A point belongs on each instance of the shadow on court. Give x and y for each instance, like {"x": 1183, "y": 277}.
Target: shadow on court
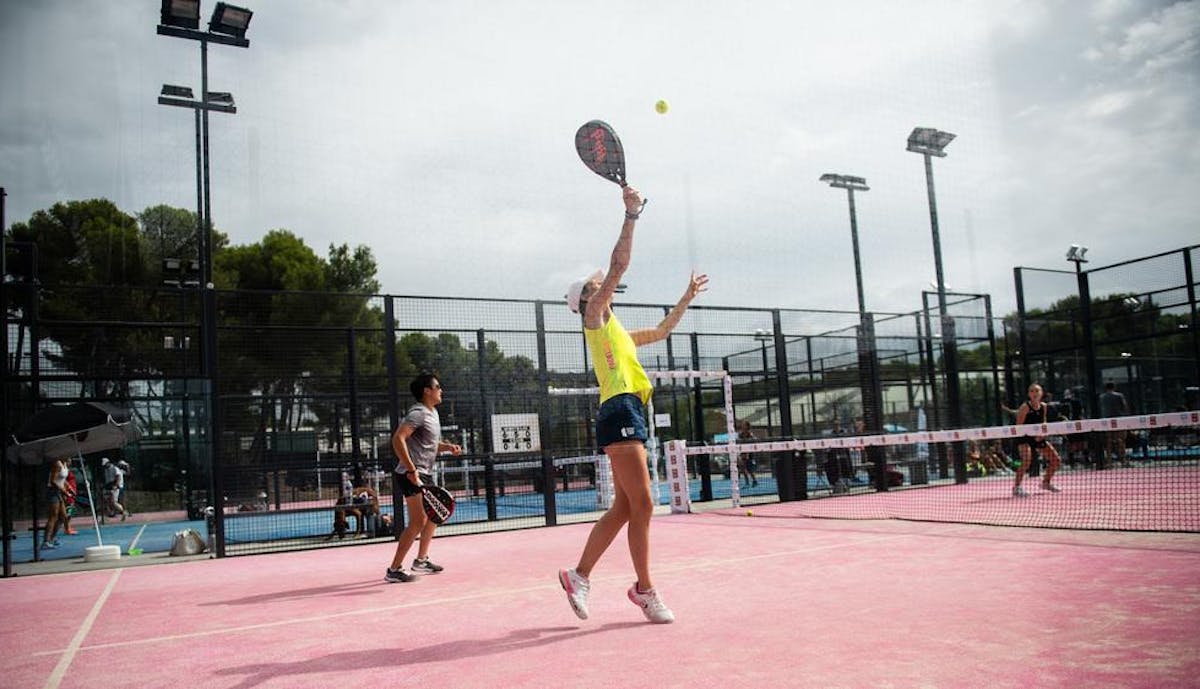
{"x": 404, "y": 654}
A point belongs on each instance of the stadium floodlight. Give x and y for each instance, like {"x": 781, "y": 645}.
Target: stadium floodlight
{"x": 1076, "y": 254}
{"x": 845, "y": 182}
{"x": 181, "y": 13}
{"x": 220, "y": 98}
{"x": 177, "y": 91}
{"x": 230, "y": 20}
{"x": 929, "y": 141}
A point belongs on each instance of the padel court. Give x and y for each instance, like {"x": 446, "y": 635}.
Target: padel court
{"x": 776, "y": 599}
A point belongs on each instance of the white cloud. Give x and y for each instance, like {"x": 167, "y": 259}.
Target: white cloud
{"x": 440, "y": 132}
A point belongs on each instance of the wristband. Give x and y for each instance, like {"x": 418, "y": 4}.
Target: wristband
{"x": 632, "y": 216}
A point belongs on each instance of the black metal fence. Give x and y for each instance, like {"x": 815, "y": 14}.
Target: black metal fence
{"x": 1133, "y": 323}
{"x": 308, "y": 387}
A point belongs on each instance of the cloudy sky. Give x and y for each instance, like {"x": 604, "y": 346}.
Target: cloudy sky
{"x": 440, "y": 135}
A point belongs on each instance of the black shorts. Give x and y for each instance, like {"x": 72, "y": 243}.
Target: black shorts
{"x": 407, "y": 487}
{"x": 1034, "y": 443}
{"x": 621, "y": 418}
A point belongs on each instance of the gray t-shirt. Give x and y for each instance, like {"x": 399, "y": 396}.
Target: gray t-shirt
{"x": 423, "y": 441}
{"x": 1112, "y": 404}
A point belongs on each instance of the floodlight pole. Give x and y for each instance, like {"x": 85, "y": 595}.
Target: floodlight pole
{"x": 5, "y": 522}
{"x": 871, "y": 387}
{"x": 929, "y": 143}
{"x": 1085, "y": 317}
{"x": 208, "y": 318}
{"x": 858, "y": 279}
{"x": 949, "y": 341}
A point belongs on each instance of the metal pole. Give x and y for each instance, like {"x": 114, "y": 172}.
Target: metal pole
{"x": 862, "y": 308}
{"x": 766, "y": 382}
{"x": 206, "y": 259}
{"x": 393, "y": 392}
{"x": 1022, "y": 332}
{"x": 200, "y": 243}
{"x": 5, "y": 522}
{"x": 781, "y": 377}
{"x": 1195, "y": 317}
{"x": 949, "y": 340}
{"x": 549, "y": 496}
{"x": 991, "y": 334}
{"x": 1085, "y": 315}
{"x": 352, "y": 383}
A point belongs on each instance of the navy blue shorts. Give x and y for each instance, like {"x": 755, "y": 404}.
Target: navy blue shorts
{"x": 621, "y": 418}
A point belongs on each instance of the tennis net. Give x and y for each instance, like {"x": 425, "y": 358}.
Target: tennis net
{"x": 1137, "y": 473}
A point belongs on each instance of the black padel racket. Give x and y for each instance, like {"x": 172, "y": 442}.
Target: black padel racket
{"x": 439, "y": 503}
{"x": 600, "y": 149}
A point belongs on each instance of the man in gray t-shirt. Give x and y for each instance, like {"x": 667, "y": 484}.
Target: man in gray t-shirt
{"x": 417, "y": 443}
{"x": 422, "y": 443}
{"x": 1113, "y": 404}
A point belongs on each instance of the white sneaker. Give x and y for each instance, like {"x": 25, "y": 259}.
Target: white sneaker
{"x": 652, "y": 606}
{"x": 576, "y": 586}
{"x": 1019, "y": 492}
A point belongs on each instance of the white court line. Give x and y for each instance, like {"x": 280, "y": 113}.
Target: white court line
{"x": 458, "y": 599}
{"x": 133, "y": 543}
{"x": 68, "y": 654}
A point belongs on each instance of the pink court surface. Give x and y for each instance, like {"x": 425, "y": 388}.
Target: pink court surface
{"x": 773, "y": 600}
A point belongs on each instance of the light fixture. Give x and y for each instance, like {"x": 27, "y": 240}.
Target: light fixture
{"x": 177, "y": 91}
{"x": 182, "y": 13}
{"x": 230, "y": 20}
{"x": 220, "y": 97}
{"x": 845, "y": 181}
{"x": 929, "y": 141}
{"x": 1077, "y": 253}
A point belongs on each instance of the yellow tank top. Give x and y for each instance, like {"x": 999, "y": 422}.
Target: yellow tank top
{"x": 614, "y": 358}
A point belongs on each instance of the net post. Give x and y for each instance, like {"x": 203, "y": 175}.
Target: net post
{"x": 677, "y": 475}
{"x": 735, "y": 488}
{"x": 604, "y": 482}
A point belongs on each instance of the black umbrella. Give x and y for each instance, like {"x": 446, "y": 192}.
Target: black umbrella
{"x": 68, "y": 431}
{"x": 73, "y": 429}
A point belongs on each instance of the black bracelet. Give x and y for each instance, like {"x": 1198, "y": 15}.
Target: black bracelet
{"x": 632, "y": 216}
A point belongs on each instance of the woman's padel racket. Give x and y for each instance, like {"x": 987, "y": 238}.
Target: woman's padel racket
{"x": 438, "y": 502}
{"x": 600, "y": 149}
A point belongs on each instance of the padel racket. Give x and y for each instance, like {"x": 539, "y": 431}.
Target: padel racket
{"x": 438, "y": 502}
{"x": 600, "y": 149}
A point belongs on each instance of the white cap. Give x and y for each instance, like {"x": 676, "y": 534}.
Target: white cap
{"x": 576, "y": 289}
{"x": 103, "y": 461}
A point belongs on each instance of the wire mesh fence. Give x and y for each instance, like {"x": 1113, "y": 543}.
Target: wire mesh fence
{"x": 302, "y": 389}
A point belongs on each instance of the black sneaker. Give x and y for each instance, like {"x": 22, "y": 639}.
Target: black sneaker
{"x": 426, "y": 566}
{"x": 396, "y": 576}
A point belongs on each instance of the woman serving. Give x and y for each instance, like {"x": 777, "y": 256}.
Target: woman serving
{"x": 621, "y": 424}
